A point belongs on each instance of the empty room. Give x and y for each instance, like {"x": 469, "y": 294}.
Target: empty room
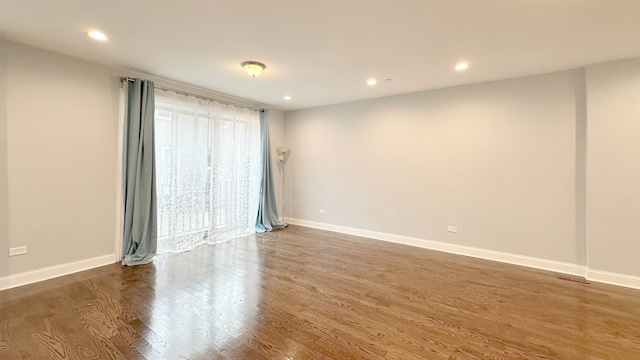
{"x": 360, "y": 179}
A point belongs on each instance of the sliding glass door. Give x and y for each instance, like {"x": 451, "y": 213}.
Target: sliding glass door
{"x": 208, "y": 171}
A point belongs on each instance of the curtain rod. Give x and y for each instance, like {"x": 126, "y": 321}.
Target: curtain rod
{"x": 200, "y": 97}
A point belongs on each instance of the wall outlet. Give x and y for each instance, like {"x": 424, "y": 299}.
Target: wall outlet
{"x": 321, "y": 211}
{"x": 453, "y": 229}
{"x": 20, "y": 250}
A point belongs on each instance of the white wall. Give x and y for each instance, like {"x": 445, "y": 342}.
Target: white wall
{"x": 497, "y": 160}
{"x": 613, "y": 180}
{"x": 61, "y": 119}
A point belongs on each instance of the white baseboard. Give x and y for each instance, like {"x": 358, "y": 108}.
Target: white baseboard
{"x": 606, "y": 277}
{"x": 51, "y": 272}
{"x": 543, "y": 264}
{"x": 630, "y": 281}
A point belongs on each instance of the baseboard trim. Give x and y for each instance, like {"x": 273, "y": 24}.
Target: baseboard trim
{"x": 51, "y": 272}
{"x": 614, "y": 278}
{"x": 522, "y": 260}
{"x": 606, "y": 277}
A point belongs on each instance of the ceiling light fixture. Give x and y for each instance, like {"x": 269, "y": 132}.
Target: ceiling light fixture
{"x": 371, "y": 82}
{"x": 97, "y": 35}
{"x": 288, "y": 98}
{"x": 462, "y": 66}
{"x": 253, "y": 68}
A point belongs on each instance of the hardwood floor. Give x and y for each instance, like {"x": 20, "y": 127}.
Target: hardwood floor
{"x": 300, "y": 293}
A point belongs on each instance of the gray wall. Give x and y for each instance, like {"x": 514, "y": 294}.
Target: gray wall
{"x": 545, "y": 166}
{"x": 497, "y": 160}
{"x": 60, "y": 160}
{"x": 277, "y": 131}
{"x": 613, "y": 180}
{"x": 4, "y": 177}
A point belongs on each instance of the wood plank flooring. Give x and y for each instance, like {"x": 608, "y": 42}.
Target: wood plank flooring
{"x": 300, "y": 293}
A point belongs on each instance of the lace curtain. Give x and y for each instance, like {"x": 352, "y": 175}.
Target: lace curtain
{"x": 208, "y": 171}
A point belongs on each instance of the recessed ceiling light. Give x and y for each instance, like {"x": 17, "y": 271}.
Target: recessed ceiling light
{"x": 462, "y": 66}
{"x": 371, "y": 82}
{"x": 97, "y": 35}
{"x": 287, "y": 97}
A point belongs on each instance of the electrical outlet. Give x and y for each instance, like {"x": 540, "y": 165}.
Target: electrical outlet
{"x": 20, "y": 250}
{"x": 321, "y": 211}
{"x": 453, "y": 229}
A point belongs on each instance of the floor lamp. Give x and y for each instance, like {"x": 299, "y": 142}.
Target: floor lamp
{"x": 283, "y": 156}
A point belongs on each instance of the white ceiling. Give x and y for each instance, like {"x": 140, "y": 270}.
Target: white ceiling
{"x": 322, "y": 52}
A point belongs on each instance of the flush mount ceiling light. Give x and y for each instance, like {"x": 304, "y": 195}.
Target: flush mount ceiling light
{"x": 288, "y": 98}
{"x": 253, "y": 68}
{"x": 462, "y": 66}
{"x": 371, "y": 82}
{"x": 97, "y": 35}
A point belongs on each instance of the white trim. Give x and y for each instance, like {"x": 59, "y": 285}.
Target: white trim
{"x": 522, "y": 260}
{"x": 614, "y": 278}
{"x": 606, "y": 277}
{"x": 47, "y": 273}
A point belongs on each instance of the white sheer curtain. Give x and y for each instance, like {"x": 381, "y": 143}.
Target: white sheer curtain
{"x": 208, "y": 171}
